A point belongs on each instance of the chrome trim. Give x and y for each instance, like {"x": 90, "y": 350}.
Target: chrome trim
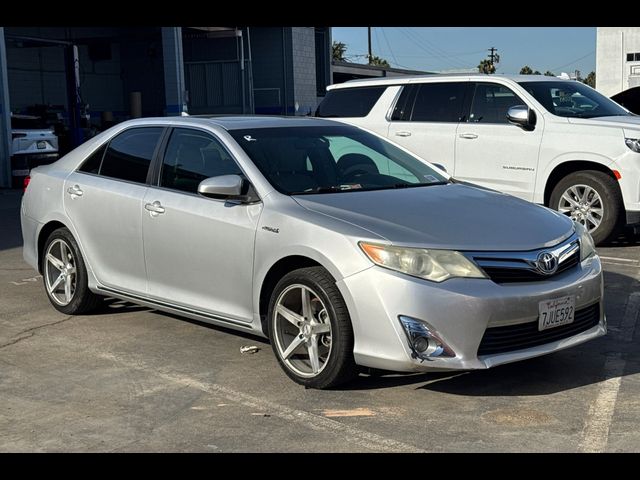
{"x": 525, "y": 260}
{"x": 392, "y": 107}
{"x": 188, "y": 312}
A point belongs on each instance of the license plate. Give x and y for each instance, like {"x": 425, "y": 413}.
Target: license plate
{"x": 556, "y": 312}
{"x": 41, "y": 145}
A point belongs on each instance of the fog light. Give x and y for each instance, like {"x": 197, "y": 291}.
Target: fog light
{"x": 424, "y": 343}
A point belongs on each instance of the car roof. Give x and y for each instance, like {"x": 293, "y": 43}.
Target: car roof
{"x": 240, "y": 122}
{"x": 365, "y": 82}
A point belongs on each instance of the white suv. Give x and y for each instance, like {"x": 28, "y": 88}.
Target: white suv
{"x": 554, "y": 142}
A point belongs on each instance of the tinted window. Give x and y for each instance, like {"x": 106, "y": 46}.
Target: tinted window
{"x": 349, "y": 102}
{"x": 402, "y": 110}
{"x": 192, "y": 156}
{"x": 130, "y": 153}
{"x": 629, "y": 57}
{"x": 491, "y": 103}
{"x": 439, "y": 102}
{"x": 92, "y": 164}
{"x": 331, "y": 159}
{"x": 572, "y": 99}
{"x": 637, "y": 57}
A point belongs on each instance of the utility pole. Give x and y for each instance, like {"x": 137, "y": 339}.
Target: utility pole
{"x": 577, "y": 72}
{"x": 369, "y": 37}
{"x": 493, "y": 56}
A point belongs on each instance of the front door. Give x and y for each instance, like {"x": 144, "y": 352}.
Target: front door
{"x": 492, "y": 152}
{"x": 199, "y": 251}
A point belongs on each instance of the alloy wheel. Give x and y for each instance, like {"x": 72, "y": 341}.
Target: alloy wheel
{"x": 60, "y": 272}
{"x": 583, "y": 204}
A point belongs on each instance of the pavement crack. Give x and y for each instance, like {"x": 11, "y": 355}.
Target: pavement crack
{"x": 32, "y": 331}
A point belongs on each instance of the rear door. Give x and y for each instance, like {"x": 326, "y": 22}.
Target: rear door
{"x": 491, "y": 151}
{"x": 103, "y": 199}
{"x": 425, "y": 119}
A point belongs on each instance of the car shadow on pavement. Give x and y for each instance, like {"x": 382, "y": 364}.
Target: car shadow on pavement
{"x": 626, "y": 238}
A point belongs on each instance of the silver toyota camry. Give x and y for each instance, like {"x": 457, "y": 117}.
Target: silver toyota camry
{"x": 342, "y": 248}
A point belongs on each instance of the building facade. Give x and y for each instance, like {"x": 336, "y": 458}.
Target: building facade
{"x": 94, "y": 77}
{"x": 617, "y": 59}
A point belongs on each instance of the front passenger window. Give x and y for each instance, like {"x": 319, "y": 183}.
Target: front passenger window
{"x": 192, "y": 156}
{"x": 491, "y": 103}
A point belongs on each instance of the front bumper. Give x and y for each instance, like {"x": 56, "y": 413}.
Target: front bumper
{"x": 459, "y": 311}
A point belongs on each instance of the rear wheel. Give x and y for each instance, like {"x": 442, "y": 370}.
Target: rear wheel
{"x": 592, "y": 198}
{"x": 65, "y": 275}
{"x": 310, "y": 329}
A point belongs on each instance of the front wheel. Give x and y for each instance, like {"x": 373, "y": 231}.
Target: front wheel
{"x": 592, "y": 198}
{"x": 310, "y": 329}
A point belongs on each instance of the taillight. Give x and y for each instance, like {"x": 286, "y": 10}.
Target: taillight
{"x": 25, "y": 183}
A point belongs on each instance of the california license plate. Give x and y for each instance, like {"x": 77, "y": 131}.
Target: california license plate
{"x": 556, "y": 312}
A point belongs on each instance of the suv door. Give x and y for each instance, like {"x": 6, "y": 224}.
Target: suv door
{"x": 425, "y": 119}
{"x": 103, "y": 199}
{"x": 491, "y": 151}
{"x": 199, "y": 251}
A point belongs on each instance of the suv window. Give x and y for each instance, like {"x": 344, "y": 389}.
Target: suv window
{"x": 402, "y": 110}
{"x": 192, "y": 156}
{"x": 129, "y": 154}
{"x": 439, "y": 102}
{"x": 491, "y": 102}
{"x": 349, "y": 102}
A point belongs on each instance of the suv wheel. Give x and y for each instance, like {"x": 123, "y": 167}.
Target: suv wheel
{"x": 592, "y": 198}
{"x": 310, "y": 329}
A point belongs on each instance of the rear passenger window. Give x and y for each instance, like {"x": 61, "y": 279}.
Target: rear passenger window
{"x": 92, "y": 164}
{"x": 349, "y": 102}
{"x": 129, "y": 154}
{"x": 439, "y": 102}
{"x": 491, "y": 103}
{"x": 402, "y": 109}
{"x": 192, "y": 156}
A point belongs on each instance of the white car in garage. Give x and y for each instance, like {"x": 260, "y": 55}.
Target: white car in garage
{"x": 33, "y": 143}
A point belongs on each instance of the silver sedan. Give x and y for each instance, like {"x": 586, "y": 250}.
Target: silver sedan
{"x": 342, "y": 248}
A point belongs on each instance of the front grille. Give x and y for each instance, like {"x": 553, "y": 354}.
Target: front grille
{"x": 526, "y": 335}
{"x": 510, "y": 267}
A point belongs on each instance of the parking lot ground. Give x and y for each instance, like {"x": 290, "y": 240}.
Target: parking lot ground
{"x": 132, "y": 379}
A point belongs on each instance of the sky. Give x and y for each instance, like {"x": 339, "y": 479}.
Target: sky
{"x": 558, "y": 49}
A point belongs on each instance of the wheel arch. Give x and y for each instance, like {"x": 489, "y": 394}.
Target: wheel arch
{"x": 571, "y": 166}
{"x": 44, "y": 233}
{"x": 274, "y": 274}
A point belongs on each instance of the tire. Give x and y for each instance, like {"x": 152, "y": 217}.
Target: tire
{"x": 81, "y": 299}
{"x": 335, "y": 364}
{"x": 608, "y": 192}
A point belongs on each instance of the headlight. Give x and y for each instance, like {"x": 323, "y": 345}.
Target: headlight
{"x": 633, "y": 144}
{"x": 587, "y": 247}
{"x": 433, "y": 265}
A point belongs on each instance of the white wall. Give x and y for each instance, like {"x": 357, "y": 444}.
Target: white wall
{"x": 613, "y": 73}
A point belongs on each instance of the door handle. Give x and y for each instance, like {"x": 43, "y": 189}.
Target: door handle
{"x": 154, "y": 208}
{"x": 468, "y": 136}
{"x": 403, "y": 134}
{"x": 75, "y": 191}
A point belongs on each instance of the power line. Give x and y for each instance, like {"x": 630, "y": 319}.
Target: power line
{"x": 432, "y": 49}
{"x": 574, "y": 61}
{"x": 384, "y": 35}
{"x": 423, "y": 48}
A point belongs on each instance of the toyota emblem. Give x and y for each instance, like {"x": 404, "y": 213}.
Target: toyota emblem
{"x": 547, "y": 263}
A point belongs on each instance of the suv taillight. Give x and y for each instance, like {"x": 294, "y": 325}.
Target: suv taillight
{"x": 25, "y": 183}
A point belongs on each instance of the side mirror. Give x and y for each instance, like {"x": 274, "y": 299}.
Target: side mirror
{"x": 228, "y": 187}
{"x": 522, "y": 116}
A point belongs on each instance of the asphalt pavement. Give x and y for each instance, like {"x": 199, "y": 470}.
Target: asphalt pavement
{"x": 132, "y": 379}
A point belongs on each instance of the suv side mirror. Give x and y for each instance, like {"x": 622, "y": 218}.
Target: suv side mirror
{"x": 228, "y": 187}
{"x": 522, "y": 116}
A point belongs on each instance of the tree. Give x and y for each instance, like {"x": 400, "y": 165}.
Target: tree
{"x": 378, "y": 61}
{"x": 526, "y": 70}
{"x": 591, "y": 79}
{"x": 338, "y": 51}
{"x": 537, "y": 73}
{"x": 549, "y": 74}
{"x": 486, "y": 66}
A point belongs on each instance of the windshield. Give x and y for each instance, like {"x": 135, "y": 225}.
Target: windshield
{"x": 572, "y": 99}
{"x": 329, "y": 159}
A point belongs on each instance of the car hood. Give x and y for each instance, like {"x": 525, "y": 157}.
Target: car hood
{"x": 452, "y": 216}
{"x": 624, "y": 121}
